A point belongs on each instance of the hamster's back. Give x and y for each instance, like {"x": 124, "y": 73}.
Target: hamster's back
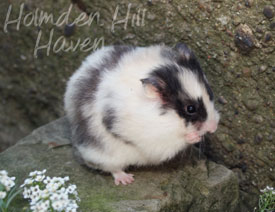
{"x": 83, "y": 85}
{"x": 85, "y": 80}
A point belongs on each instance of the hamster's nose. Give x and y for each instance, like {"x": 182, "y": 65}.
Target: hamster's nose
{"x": 211, "y": 126}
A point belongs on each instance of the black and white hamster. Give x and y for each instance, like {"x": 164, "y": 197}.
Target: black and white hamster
{"x": 138, "y": 105}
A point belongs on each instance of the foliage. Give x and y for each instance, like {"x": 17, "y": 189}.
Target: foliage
{"x": 45, "y": 194}
{"x": 267, "y": 200}
{"x": 8, "y": 190}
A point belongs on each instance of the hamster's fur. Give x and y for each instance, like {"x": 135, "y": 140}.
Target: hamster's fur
{"x": 138, "y": 105}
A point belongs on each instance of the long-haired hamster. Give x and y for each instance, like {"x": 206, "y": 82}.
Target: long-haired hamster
{"x": 137, "y": 106}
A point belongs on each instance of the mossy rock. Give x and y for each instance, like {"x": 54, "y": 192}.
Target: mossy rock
{"x": 187, "y": 183}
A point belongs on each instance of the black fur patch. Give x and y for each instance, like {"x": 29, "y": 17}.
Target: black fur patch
{"x": 173, "y": 95}
{"x": 199, "y": 116}
{"x": 86, "y": 89}
{"x": 81, "y": 134}
{"x": 193, "y": 65}
{"x": 185, "y": 57}
{"x": 209, "y": 91}
{"x": 165, "y": 79}
{"x": 109, "y": 118}
{"x": 116, "y": 55}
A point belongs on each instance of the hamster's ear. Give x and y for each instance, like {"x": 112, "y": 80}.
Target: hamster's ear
{"x": 185, "y": 52}
{"x": 152, "y": 88}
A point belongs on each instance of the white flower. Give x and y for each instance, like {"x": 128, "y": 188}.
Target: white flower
{"x": 63, "y": 196}
{"x": 52, "y": 187}
{"x": 62, "y": 190}
{"x": 267, "y": 189}
{"x": 45, "y": 194}
{"x": 35, "y": 194}
{"x": 70, "y": 210}
{"x": 40, "y": 172}
{"x": 27, "y": 181}
{"x": 34, "y": 173}
{"x": 41, "y": 206}
{"x": 9, "y": 185}
{"x": 72, "y": 206}
{"x": 58, "y": 205}
{"x": 50, "y": 193}
{"x": 71, "y": 189}
{"x": 26, "y": 193}
{"x": 3, "y": 173}
{"x": 54, "y": 197}
{"x": 47, "y": 180}
{"x": 6, "y": 181}
{"x": 39, "y": 178}
{"x": 3, "y": 194}
{"x": 34, "y": 199}
{"x": 35, "y": 189}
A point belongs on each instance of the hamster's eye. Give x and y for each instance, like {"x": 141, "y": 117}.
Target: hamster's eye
{"x": 191, "y": 109}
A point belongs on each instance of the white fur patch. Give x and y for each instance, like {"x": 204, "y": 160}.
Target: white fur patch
{"x": 190, "y": 83}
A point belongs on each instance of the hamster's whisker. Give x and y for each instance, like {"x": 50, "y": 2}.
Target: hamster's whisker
{"x": 201, "y": 146}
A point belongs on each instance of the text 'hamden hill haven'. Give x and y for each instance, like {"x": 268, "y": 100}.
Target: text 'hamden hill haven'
{"x": 39, "y": 17}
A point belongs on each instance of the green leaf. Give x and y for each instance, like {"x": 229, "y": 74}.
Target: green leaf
{"x": 11, "y": 191}
{"x": 12, "y": 197}
{"x": 2, "y": 187}
{"x": 2, "y": 206}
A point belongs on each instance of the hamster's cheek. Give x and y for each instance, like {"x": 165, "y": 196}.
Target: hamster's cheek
{"x": 192, "y": 137}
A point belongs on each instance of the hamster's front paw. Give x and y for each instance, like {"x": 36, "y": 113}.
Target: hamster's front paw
{"x": 122, "y": 177}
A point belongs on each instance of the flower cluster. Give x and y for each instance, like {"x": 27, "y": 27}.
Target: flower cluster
{"x": 267, "y": 200}
{"x": 47, "y": 194}
{"x": 6, "y": 183}
{"x": 268, "y": 189}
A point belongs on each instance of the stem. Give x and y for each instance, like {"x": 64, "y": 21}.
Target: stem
{"x": 11, "y": 191}
{"x": 12, "y": 197}
{"x": 3, "y": 209}
{"x": 2, "y": 206}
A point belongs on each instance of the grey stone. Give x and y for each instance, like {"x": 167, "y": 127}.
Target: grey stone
{"x": 267, "y": 37}
{"x": 187, "y": 183}
{"x": 244, "y": 38}
{"x": 258, "y": 138}
{"x": 69, "y": 30}
{"x": 248, "y": 3}
{"x": 251, "y": 104}
{"x": 263, "y": 68}
{"x": 258, "y": 119}
{"x": 222, "y": 100}
{"x": 268, "y": 11}
{"x": 55, "y": 132}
